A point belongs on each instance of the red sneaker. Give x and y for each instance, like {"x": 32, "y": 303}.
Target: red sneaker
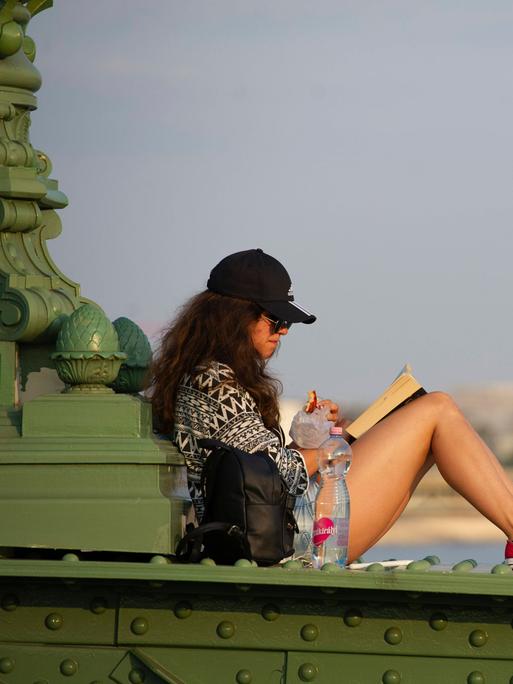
{"x": 508, "y": 553}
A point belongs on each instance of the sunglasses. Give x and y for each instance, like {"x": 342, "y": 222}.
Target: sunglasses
{"x": 276, "y": 323}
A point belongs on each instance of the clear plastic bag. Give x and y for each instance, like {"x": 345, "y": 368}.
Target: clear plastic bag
{"x": 310, "y": 430}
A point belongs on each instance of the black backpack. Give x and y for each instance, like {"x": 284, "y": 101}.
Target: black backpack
{"x": 248, "y": 510}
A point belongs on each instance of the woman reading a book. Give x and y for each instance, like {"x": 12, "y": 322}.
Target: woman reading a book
{"x": 210, "y": 380}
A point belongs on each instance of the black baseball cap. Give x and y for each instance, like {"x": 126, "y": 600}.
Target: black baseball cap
{"x": 259, "y": 277}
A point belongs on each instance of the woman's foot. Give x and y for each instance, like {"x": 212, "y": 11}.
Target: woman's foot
{"x": 508, "y": 553}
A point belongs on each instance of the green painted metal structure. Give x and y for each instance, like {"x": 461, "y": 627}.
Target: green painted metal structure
{"x": 92, "y": 504}
{"x": 153, "y": 622}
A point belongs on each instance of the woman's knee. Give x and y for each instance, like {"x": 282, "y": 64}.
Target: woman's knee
{"x": 442, "y": 402}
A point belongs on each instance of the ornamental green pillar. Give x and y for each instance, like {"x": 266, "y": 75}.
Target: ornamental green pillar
{"x": 80, "y": 467}
{"x": 34, "y": 294}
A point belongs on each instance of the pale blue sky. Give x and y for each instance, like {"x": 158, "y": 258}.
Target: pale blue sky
{"x": 367, "y": 145}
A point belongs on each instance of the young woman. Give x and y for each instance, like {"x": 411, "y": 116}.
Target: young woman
{"x": 210, "y": 380}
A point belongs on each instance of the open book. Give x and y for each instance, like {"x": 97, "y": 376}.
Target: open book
{"x": 404, "y": 388}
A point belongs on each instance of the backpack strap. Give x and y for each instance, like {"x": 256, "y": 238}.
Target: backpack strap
{"x": 189, "y": 549}
{"x": 189, "y": 546}
{"x": 217, "y": 448}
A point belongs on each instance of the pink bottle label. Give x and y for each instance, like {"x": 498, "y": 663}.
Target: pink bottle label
{"x": 322, "y": 529}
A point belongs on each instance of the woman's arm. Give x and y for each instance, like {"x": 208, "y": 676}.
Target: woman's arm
{"x": 311, "y": 457}
{"x": 235, "y": 420}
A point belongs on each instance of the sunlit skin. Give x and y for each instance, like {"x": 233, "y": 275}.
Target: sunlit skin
{"x": 264, "y": 339}
{"x": 391, "y": 458}
{"x": 266, "y": 343}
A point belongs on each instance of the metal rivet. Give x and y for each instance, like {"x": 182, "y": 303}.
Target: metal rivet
{"x": 476, "y": 677}
{"x": 375, "y": 567}
{"x": 293, "y": 565}
{"x": 10, "y": 602}
{"x": 182, "y": 610}
{"x": 158, "y": 560}
{"x": 309, "y": 632}
{"x": 438, "y": 621}
{"x": 225, "y": 629}
{"x": 244, "y": 677}
{"x": 353, "y": 617}
{"x": 331, "y": 568}
{"x": 391, "y": 677}
{"x": 307, "y": 672}
{"x": 433, "y": 560}
{"x": 68, "y": 667}
{"x": 465, "y": 565}
{"x": 139, "y": 625}
{"x": 393, "y": 636}
{"x": 418, "y": 566}
{"x": 242, "y": 563}
{"x": 478, "y": 638}
{"x": 207, "y": 561}
{"x": 7, "y": 665}
{"x": 136, "y": 676}
{"x": 98, "y": 605}
{"x": 54, "y": 621}
{"x": 270, "y": 612}
{"x": 501, "y": 569}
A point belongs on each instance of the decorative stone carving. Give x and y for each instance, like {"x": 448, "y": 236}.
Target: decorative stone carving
{"x": 11, "y": 38}
{"x": 87, "y": 355}
{"x": 132, "y": 340}
{"x": 35, "y": 295}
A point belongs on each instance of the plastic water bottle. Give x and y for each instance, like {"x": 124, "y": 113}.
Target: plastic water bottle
{"x": 331, "y": 521}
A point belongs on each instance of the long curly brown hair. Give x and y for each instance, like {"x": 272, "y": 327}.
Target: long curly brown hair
{"x": 211, "y": 327}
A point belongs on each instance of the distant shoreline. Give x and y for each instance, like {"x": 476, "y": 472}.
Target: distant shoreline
{"x": 442, "y": 529}
{"x": 436, "y": 514}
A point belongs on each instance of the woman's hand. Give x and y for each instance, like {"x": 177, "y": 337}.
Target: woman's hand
{"x": 334, "y": 414}
{"x": 333, "y": 409}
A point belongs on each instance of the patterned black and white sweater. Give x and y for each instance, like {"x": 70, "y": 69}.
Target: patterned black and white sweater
{"x": 213, "y": 404}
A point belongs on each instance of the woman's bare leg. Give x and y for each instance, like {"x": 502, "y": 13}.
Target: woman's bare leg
{"x": 427, "y": 466}
{"x": 393, "y": 456}
{"x": 500, "y": 470}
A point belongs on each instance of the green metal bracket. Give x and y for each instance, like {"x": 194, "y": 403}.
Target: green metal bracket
{"x": 152, "y": 671}
{"x": 36, "y": 6}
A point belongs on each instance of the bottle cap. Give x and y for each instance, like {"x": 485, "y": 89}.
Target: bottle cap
{"x": 336, "y": 430}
